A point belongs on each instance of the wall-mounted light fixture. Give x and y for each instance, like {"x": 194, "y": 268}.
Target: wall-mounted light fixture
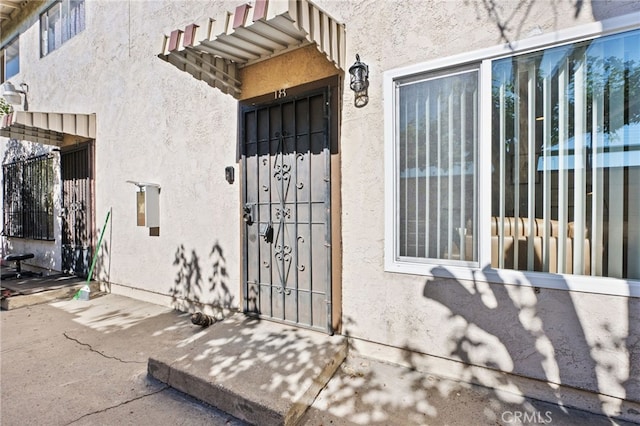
{"x": 147, "y": 204}
{"x": 360, "y": 82}
{"x": 13, "y": 95}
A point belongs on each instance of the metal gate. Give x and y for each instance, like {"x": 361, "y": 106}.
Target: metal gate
{"x": 76, "y": 210}
{"x": 287, "y": 211}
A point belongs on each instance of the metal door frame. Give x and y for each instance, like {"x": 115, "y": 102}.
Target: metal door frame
{"x": 268, "y": 101}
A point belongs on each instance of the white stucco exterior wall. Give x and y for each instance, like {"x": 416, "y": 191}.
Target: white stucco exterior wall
{"x": 154, "y": 124}
{"x": 160, "y": 125}
{"x": 553, "y": 335}
{"x": 175, "y": 132}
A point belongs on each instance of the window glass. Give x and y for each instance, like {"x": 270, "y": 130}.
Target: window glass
{"x": 566, "y": 159}
{"x": 73, "y": 18}
{"x": 61, "y": 22}
{"x": 12, "y": 59}
{"x": 436, "y": 176}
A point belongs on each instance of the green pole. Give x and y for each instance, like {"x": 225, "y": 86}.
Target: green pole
{"x": 95, "y": 255}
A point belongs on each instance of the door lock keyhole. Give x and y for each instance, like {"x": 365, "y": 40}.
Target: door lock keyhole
{"x": 247, "y": 214}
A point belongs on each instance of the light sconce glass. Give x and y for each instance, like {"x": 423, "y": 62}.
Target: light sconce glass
{"x": 13, "y": 95}
{"x": 359, "y": 72}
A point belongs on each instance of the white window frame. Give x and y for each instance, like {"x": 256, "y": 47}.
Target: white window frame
{"x": 457, "y": 71}
{"x": 484, "y": 271}
{"x": 3, "y": 59}
{"x": 44, "y": 32}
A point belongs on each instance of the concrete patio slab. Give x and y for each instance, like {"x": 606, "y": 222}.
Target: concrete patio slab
{"x": 261, "y": 372}
{"x": 29, "y": 291}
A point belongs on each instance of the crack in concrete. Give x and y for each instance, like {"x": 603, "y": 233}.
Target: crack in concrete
{"x": 104, "y": 410}
{"x": 100, "y": 353}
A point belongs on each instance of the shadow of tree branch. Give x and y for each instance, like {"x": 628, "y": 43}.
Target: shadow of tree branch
{"x": 189, "y": 290}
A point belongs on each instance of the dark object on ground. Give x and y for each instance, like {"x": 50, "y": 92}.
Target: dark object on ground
{"x": 202, "y": 320}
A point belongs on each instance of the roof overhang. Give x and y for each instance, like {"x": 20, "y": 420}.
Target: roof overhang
{"x": 214, "y": 50}
{"x": 47, "y": 127}
{"x": 10, "y": 8}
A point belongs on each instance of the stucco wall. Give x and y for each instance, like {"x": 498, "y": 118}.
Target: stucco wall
{"x": 174, "y": 131}
{"x": 157, "y": 124}
{"x": 583, "y": 340}
{"x": 154, "y": 124}
{"x": 288, "y": 70}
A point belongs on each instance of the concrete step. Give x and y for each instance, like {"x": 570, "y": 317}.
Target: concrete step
{"x": 34, "y": 291}
{"x": 261, "y": 372}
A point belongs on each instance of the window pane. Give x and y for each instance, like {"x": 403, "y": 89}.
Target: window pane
{"x": 76, "y": 17}
{"x": 12, "y": 59}
{"x": 62, "y": 21}
{"x": 566, "y": 153}
{"x": 52, "y": 29}
{"x": 437, "y": 134}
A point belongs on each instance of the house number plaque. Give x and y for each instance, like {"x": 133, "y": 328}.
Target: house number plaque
{"x": 279, "y": 94}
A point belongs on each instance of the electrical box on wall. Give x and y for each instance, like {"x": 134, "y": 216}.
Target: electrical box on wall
{"x": 147, "y": 204}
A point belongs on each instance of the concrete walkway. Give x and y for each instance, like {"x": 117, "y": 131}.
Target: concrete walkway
{"x": 81, "y": 363}
{"x": 85, "y": 363}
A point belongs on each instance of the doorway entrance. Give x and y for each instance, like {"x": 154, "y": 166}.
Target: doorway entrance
{"x": 286, "y": 163}
{"x": 77, "y": 210}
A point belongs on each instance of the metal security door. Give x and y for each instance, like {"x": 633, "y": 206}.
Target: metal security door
{"x": 286, "y": 202}
{"x": 76, "y": 211}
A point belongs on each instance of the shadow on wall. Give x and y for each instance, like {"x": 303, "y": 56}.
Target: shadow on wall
{"x": 193, "y": 291}
{"x": 45, "y": 254}
{"x": 102, "y": 268}
{"x": 543, "y": 337}
{"x": 16, "y": 150}
{"x": 605, "y": 9}
{"x": 491, "y": 329}
{"x": 511, "y": 17}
